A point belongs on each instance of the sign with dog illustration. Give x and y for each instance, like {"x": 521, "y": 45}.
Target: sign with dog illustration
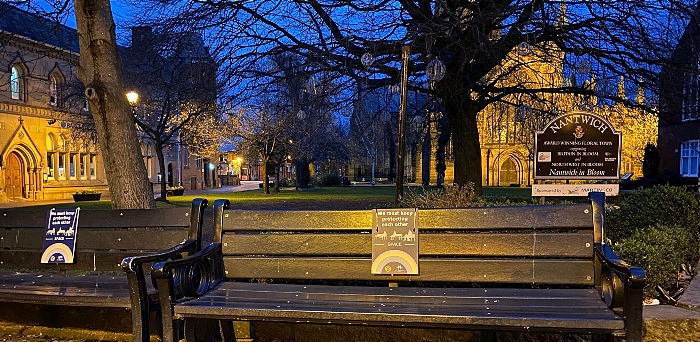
{"x": 59, "y": 237}
{"x": 395, "y": 241}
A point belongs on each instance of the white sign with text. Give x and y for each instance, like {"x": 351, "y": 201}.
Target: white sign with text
{"x": 574, "y": 189}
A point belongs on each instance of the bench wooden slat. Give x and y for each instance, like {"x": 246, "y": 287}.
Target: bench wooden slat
{"x": 540, "y": 217}
{"x": 57, "y": 289}
{"x": 574, "y": 272}
{"x": 162, "y": 217}
{"x": 91, "y": 238}
{"x": 510, "y": 245}
{"x": 84, "y": 261}
{"x": 581, "y": 310}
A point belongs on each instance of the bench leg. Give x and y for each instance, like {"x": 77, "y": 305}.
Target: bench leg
{"x": 238, "y": 331}
{"x": 487, "y": 336}
{"x": 200, "y": 330}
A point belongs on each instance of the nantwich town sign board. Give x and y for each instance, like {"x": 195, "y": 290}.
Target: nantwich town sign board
{"x": 577, "y": 145}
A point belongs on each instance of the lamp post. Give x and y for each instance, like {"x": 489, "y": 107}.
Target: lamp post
{"x": 405, "y": 53}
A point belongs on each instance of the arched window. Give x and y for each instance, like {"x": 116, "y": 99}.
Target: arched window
{"x": 55, "y": 83}
{"x": 17, "y": 83}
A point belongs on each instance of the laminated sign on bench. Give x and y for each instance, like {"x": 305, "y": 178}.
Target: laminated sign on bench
{"x": 59, "y": 238}
{"x": 395, "y": 241}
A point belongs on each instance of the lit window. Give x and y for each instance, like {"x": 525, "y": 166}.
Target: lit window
{"x": 92, "y": 166}
{"x": 71, "y": 165}
{"x": 62, "y": 165}
{"x": 16, "y": 83}
{"x": 689, "y": 158}
{"x": 83, "y": 157}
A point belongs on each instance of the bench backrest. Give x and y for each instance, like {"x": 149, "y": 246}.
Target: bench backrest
{"x": 104, "y": 237}
{"x": 550, "y": 244}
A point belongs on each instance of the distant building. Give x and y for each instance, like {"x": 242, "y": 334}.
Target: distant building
{"x": 172, "y": 75}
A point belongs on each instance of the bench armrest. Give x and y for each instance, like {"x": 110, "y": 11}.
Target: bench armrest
{"x": 622, "y": 288}
{"x": 132, "y": 264}
{"x": 635, "y": 277}
{"x": 186, "y": 278}
{"x": 191, "y": 276}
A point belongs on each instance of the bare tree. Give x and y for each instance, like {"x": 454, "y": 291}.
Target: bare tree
{"x": 101, "y": 72}
{"x": 175, "y": 77}
{"x": 473, "y": 40}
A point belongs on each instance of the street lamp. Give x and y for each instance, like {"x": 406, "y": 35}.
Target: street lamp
{"x": 133, "y": 98}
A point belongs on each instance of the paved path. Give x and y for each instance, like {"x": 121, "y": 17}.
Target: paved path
{"x": 245, "y": 186}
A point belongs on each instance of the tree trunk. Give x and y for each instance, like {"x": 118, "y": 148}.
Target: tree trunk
{"x": 100, "y": 71}
{"x": 277, "y": 178}
{"x": 303, "y": 174}
{"x": 465, "y": 134}
{"x": 161, "y": 169}
{"x": 266, "y": 177}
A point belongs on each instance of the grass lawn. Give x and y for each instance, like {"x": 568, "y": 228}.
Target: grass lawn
{"x": 326, "y": 198}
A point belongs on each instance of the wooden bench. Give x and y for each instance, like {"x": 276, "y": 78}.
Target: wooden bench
{"x": 529, "y": 269}
{"x": 104, "y": 239}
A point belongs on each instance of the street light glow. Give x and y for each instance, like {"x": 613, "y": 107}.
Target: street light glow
{"x": 132, "y": 97}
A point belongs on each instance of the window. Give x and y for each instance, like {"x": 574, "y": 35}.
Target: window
{"x": 689, "y": 158}
{"x": 71, "y": 163}
{"x": 83, "y": 163}
{"x": 50, "y": 164}
{"x": 16, "y": 83}
{"x": 50, "y": 156}
{"x": 92, "y": 166}
{"x": 691, "y": 95}
{"x": 186, "y": 158}
{"x": 62, "y": 165}
{"x": 54, "y": 90}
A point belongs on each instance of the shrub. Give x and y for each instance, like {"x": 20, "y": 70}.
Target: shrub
{"x": 660, "y": 205}
{"x": 452, "y": 196}
{"x": 287, "y": 182}
{"x": 330, "y": 180}
{"x": 87, "y": 192}
{"x": 660, "y": 250}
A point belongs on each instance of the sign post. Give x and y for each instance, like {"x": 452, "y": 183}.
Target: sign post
{"x": 59, "y": 237}
{"x": 576, "y": 146}
{"x": 395, "y": 241}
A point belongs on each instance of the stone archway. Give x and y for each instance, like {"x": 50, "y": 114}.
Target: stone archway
{"x": 15, "y": 176}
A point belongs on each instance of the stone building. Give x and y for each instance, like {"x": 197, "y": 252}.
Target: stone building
{"x": 40, "y": 102}
{"x": 507, "y": 128}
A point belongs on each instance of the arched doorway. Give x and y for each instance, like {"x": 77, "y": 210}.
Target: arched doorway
{"x": 14, "y": 176}
{"x": 509, "y": 173}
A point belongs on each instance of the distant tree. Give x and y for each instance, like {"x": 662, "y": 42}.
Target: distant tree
{"x": 650, "y": 165}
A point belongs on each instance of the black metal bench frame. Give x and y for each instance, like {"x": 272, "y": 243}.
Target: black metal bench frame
{"x": 582, "y": 285}
{"x": 103, "y": 241}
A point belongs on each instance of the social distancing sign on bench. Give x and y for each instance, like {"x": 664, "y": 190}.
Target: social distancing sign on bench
{"x": 59, "y": 237}
{"x": 395, "y": 241}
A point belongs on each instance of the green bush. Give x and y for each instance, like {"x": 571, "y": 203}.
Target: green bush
{"x": 660, "y": 205}
{"x": 452, "y": 196}
{"x": 330, "y": 180}
{"x": 659, "y": 250}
